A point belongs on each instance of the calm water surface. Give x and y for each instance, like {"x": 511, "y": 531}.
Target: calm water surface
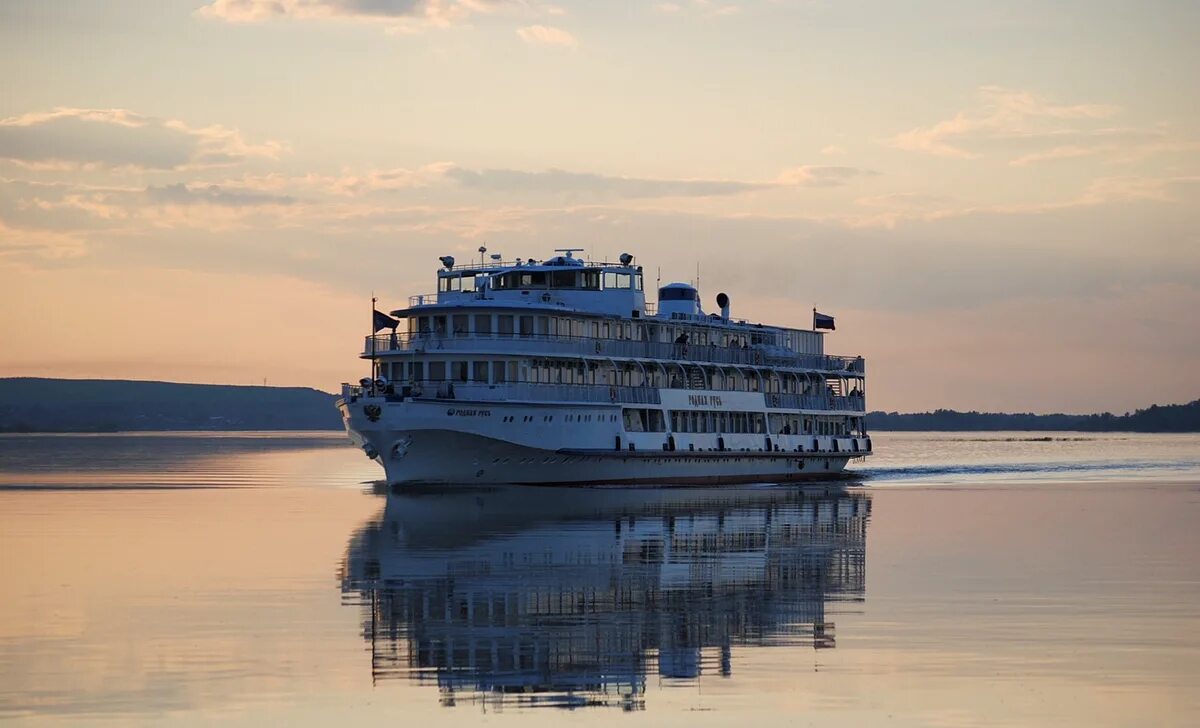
{"x": 958, "y": 579}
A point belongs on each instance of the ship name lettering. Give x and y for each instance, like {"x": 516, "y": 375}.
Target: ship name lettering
{"x": 704, "y": 400}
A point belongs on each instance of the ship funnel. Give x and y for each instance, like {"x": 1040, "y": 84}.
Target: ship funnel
{"x": 723, "y": 303}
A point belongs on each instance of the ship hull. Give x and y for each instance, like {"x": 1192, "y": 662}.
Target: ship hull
{"x": 414, "y": 445}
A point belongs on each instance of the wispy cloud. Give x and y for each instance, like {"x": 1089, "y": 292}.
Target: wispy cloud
{"x": 562, "y": 181}
{"x": 68, "y": 138}
{"x": 822, "y": 175}
{"x": 183, "y": 194}
{"x": 547, "y": 35}
{"x": 997, "y": 112}
{"x": 398, "y": 15}
{"x": 702, "y": 8}
{"x": 1026, "y": 129}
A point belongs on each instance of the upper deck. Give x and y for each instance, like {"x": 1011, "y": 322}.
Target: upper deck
{"x": 570, "y": 306}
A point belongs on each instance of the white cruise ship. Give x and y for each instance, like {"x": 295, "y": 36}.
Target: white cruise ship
{"x": 559, "y": 371}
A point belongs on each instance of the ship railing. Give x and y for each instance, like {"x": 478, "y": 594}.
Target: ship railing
{"x": 589, "y": 347}
{"x": 526, "y": 392}
{"x": 589, "y": 393}
{"x": 422, "y": 299}
{"x": 428, "y": 299}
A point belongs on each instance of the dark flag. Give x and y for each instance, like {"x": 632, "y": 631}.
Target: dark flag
{"x": 821, "y": 321}
{"x": 383, "y": 321}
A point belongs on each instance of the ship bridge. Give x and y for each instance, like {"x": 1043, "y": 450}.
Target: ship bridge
{"x": 562, "y": 281}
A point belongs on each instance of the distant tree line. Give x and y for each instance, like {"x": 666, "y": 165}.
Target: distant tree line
{"x": 98, "y": 405}
{"x": 1156, "y": 418}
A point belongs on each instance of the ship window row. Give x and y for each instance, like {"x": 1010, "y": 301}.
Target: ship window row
{"x": 586, "y": 280}
{"x": 604, "y": 373}
{"x": 641, "y": 419}
{"x": 518, "y": 325}
{"x": 717, "y": 421}
{"x": 683, "y": 337}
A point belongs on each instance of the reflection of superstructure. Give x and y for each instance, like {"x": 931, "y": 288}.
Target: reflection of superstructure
{"x": 545, "y": 597}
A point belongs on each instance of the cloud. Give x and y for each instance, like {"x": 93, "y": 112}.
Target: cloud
{"x": 703, "y": 8}
{"x": 401, "y": 13}
{"x": 562, "y": 181}
{"x": 1027, "y": 130}
{"x": 182, "y": 194}
{"x": 998, "y": 112}
{"x": 822, "y": 176}
{"x": 546, "y": 35}
{"x": 71, "y": 138}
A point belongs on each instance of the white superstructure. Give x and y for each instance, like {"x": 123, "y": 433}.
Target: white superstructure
{"x": 558, "y": 371}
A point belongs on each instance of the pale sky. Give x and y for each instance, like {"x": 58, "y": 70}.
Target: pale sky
{"x": 1000, "y": 203}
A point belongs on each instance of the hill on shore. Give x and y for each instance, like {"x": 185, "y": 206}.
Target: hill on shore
{"x": 29, "y": 404}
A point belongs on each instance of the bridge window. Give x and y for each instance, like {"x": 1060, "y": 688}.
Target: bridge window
{"x": 564, "y": 279}
{"x": 533, "y": 279}
{"x": 617, "y": 280}
{"x": 591, "y": 280}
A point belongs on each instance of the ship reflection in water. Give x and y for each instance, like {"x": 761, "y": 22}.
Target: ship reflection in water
{"x": 572, "y": 597}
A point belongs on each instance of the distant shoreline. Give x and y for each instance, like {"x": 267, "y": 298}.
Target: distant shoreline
{"x": 32, "y": 405}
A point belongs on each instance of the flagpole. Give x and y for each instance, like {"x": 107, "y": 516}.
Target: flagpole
{"x": 373, "y": 363}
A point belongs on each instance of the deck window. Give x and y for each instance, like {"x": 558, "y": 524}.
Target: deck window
{"x": 564, "y": 279}
{"x": 504, "y": 325}
{"x": 437, "y": 371}
{"x": 458, "y": 371}
{"x": 483, "y": 323}
{"x": 460, "y": 322}
{"x": 479, "y": 371}
{"x": 439, "y": 325}
{"x": 526, "y": 326}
